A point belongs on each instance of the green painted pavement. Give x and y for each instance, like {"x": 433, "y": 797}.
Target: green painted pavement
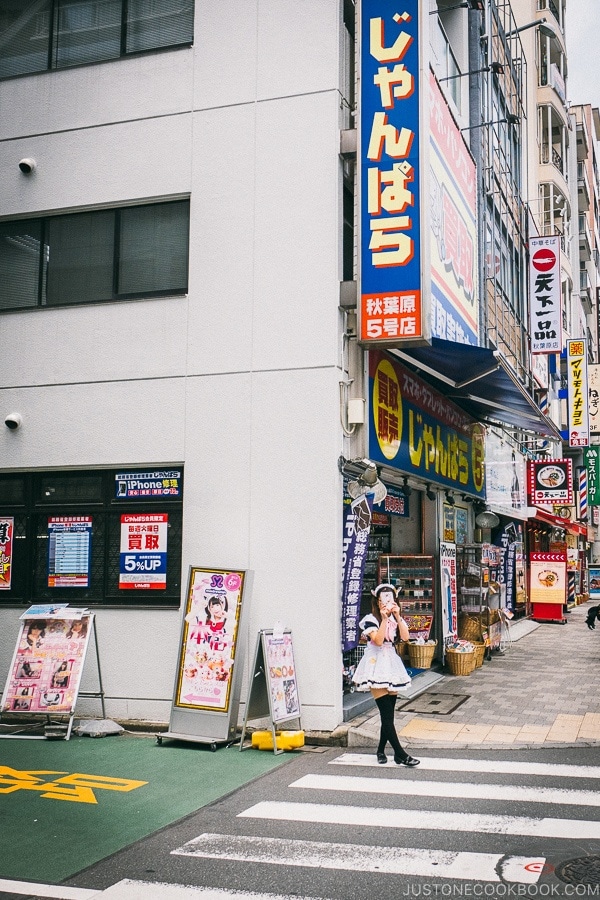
{"x": 45, "y": 838}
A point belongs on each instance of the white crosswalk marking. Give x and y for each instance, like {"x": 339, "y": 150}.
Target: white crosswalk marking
{"x": 499, "y": 767}
{"x": 438, "y": 811}
{"x": 403, "y": 787}
{"x": 376, "y": 817}
{"x": 358, "y": 858}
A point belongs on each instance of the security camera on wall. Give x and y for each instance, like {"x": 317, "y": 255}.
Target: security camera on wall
{"x": 27, "y": 166}
{"x": 13, "y": 421}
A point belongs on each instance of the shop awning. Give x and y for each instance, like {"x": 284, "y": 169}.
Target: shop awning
{"x": 479, "y": 381}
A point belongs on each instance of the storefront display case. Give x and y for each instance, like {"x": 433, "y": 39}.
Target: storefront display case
{"x": 413, "y": 576}
{"x": 479, "y": 593}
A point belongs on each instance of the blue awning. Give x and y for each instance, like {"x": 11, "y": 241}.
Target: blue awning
{"x": 479, "y": 381}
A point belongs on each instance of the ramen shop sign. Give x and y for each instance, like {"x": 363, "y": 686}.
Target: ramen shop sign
{"x": 545, "y": 294}
{"x": 551, "y": 481}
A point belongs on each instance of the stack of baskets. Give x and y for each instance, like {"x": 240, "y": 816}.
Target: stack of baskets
{"x": 460, "y": 662}
{"x": 469, "y": 628}
{"x": 479, "y": 653}
{"x": 421, "y": 655}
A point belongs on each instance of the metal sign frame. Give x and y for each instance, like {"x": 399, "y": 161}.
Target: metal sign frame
{"x": 273, "y": 691}
{"x": 209, "y": 672}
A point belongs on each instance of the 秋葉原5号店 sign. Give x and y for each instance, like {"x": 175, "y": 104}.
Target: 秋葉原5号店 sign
{"x": 391, "y": 217}
{"x": 577, "y": 383}
{"x": 143, "y": 557}
{"x": 545, "y": 294}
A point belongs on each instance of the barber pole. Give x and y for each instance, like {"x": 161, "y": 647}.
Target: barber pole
{"x": 583, "y": 495}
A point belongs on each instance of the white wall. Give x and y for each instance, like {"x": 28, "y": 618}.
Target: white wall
{"x": 239, "y": 380}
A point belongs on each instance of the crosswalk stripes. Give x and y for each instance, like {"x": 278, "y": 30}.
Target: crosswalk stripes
{"x": 419, "y": 862}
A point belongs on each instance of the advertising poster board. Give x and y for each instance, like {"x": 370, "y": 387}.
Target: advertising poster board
{"x": 69, "y": 551}
{"x": 47, "y": 663}
{"x": 209, "y": 671}
{"x": 143, "y": 556}
{"x": 594, "y": 583}
{"x": 449, "y": 591}
{"x": 548, "y": 578}
{"x": 273, "y": 692}
{"x": 7, "y": 528}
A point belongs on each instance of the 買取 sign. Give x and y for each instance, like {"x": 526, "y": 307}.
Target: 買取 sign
{"x": 143, "y": 558}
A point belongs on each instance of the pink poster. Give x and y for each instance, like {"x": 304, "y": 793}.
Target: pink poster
{"x": 209, "y": 639}
{"x": 46, "y": 668}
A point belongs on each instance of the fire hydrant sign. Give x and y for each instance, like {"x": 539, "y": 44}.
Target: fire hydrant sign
{"x": 143, "y": 559}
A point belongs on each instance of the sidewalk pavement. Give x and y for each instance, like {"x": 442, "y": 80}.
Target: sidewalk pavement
{"x": 541, "y": 692}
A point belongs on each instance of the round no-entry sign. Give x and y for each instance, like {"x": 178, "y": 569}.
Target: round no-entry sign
{"x": 543, "y": 260}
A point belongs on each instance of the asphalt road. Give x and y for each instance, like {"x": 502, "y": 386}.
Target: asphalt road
{"x": 333, "y": 824}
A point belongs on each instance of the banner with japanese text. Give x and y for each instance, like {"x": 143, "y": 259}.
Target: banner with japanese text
{"x": 69, "y": 551}
{"x": 591, "y": 456}
{"x": 579, "y": 425}
{"x": 392, "y": 218}
{"x": 357, "y": 525}
{"x": 453, "y": 218}
{"x": 545, "y": 294}
{"x": 594, "y": 398}
{"x": 143, "y": 557}
{"x": 414, "y": 428}
{"x": 449, "y": 589}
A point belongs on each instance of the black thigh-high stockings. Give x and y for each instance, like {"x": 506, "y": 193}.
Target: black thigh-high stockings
{"x": 387, "y": 705}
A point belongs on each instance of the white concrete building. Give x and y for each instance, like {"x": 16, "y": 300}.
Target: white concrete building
{"x": 234, "y": 375}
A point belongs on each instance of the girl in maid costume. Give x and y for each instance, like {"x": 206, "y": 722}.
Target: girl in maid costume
{"x": 381, "y": 670}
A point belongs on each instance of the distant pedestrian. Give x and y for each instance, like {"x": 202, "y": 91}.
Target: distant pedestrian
{"x": 381, "y": 670}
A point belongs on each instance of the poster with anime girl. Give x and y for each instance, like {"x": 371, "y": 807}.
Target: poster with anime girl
{"x": 210, "y": 634}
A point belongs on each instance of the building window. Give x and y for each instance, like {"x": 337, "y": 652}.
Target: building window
{"x": 37, "y": 35}
{"x": 69, "y": 534}
{"x": 114, "y": 254}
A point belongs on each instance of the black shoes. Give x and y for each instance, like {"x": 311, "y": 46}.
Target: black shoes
{"x": 407, "y": 760}
{"x": 381, "y": 758}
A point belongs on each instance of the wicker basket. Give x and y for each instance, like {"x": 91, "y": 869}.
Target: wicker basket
{"x": 421, "y": 655}
{"x": 460, "y": 663}
{"x": 469, "y": 628}
{"x": 402, "y": 649}
{"x": 479, "y": 653}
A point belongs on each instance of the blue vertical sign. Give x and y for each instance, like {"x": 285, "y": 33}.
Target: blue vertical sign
{"x": 390, "y": 173}
{"x": 357, "y": 525}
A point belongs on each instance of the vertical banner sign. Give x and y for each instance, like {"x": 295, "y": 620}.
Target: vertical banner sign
{"x": 592, "y": 463}
{"x": 449, "y": 601}
{"x": 545, "y": 295}
{"x": 453, "y": 217}
{"x": 69, "y": 551}
{"x": 579, "y": 426}
{"x": 594, "y": 398}
{"x": 143, "y": 558}
{"x": 391, "y": 215}
{"x": 357, "y": 524}
{"x": 7, "y": 527}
